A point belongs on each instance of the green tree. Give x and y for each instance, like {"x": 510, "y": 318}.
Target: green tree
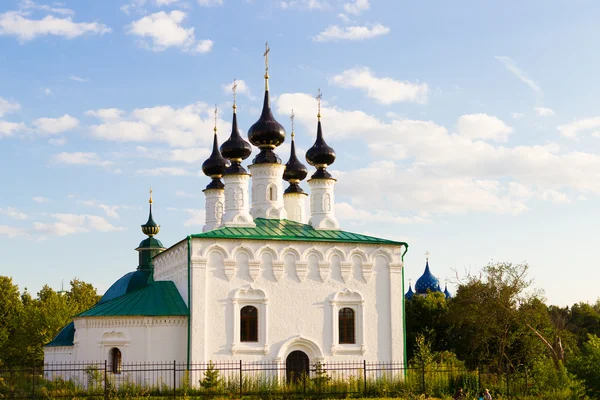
{"x": 587, "y": 366}
{"x": 11, "y": 311}
{"x": 212, "y": 378}
{"x": 427, "y": 316}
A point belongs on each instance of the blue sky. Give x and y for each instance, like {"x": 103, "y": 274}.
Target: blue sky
{"x": 470, "y": 129}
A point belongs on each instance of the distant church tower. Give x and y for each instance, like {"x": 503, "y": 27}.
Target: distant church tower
{"x": 294, "y": 196}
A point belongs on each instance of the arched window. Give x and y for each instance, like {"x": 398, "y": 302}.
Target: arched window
{"x": 346, "y": 326}
{"x": 115, "y": 360}
{"x": 272, "y": 193}
{"x": 249, "y": 324}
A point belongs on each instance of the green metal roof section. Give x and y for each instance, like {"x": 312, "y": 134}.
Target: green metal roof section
{"x": 283, "y": 229}
{"x": 64, "y": 338}
{"x": 159, "y": 298}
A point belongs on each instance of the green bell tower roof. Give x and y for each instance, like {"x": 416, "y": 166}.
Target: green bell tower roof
{"x": 150, "y": 246}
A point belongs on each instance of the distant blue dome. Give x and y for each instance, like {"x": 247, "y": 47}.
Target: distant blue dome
{"x": 447, "y": 293}
{"x": 427, "y": 282}
{"x": 409, "y": 295}
{"x": 126, "y": 284}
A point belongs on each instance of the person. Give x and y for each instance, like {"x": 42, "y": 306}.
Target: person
{"x": 487, "y": 395}
{"x": 480, "y": 397}
{"x": 458, "y": 395}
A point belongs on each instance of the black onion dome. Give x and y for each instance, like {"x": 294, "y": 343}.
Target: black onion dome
{"x": 266, "y": 134}
{"x": 235, "y": 149}
{"x": 320, "y": 155}
{"x": 295, "y": 171}
{"x": 215, "y": 166}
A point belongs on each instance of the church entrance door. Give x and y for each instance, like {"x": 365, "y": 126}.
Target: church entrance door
{"x": 297, "y": 366}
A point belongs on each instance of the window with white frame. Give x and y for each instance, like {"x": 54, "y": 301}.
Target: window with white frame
{"x": 347, "y": 323}
{"x": 250, "y": 329}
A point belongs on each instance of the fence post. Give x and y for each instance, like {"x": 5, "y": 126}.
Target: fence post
{"x": 423, "y": 376}
{"x": 241, "y": 380}
{"x": 365, "y": 377}
{"x": 105, "y": 379}
{"x": 174, "y": 379}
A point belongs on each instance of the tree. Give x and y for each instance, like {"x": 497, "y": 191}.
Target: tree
{"x": 11, "y": 311}
{"x": 587, "y": 366}
{"x": 427, "y": 316}
{"x": 212, "y": 378}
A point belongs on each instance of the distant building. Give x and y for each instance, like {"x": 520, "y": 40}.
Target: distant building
{"x": 427, "y": 283}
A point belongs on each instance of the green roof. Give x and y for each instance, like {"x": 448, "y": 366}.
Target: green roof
{"x": 159, "y": 298}
{"x": 65, "y": 336}
{"x": 276, "y": 229}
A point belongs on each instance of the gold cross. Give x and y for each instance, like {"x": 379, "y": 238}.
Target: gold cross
{"x": 150, "y": 201}
{"x": 292, "y": 118}
{"x": 266, "y": 56}
{"x": 234, "y": 87}
{"x": 319, "y": 96}
{"x": 215, "y": 128}
{"x": 427, "y": 255}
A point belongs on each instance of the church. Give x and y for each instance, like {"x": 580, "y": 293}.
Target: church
{"x": 265, "y": 281}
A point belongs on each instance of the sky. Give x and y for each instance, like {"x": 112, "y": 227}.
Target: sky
{"x": 468, "y": 129}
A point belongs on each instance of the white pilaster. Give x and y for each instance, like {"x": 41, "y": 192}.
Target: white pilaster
{"x": 295, "y": 206}
{"x": 322, "y": 214}
{"x": 267, "y": 191}
{"x": 214, "y": 208}
{"x": 236, "y": 202}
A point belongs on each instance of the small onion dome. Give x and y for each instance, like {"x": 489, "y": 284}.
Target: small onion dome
{"x": 266, "y": 134}
{"x": 320, "y": 155}
{"x": 427, "y": 282}
{"x": 215, "y": 166}
{"x": 447, "y": 293}
{"x": 235, "y": 149}
{"x": 150, "y": 228}
{"x": 295, "y": 171}
{"x": 409, "y": 295}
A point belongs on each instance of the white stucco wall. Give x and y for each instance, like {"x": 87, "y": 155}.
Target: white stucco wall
{"x": 297, "y": 288}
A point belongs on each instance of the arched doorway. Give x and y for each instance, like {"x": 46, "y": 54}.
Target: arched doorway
{"x": 297, "y": 365}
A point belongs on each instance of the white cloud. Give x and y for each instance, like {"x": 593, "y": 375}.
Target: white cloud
{"x": 57, "y": 141}
{"x": 40, "y": 199}
{"x": 356, "y": 7}
{"x": 9, "y": 128}
{"x": 187, "y": 155}
{"x": 162, "y": 171}
{"x": 7, "y": 106}
{"x": 164, "y": 30}
{"x": 197, "y": 217}
{"x": 543, "y": 112}
{"x": 68, "y": 224}
{"x": 13, "y": 213}
{"x": 345, "y": 19}
{"x": 11, "y": 231}
{"x": 13, "y": 23}
{"x": 80, "y": 158}
{"x": 109, "y": 210}
{"x": 483, "y": 126}
{"x": 347, "y": 212}
{"x": 384, "y": 90}
{"x": 513, "y": 68}
{"x": 78, "y": 79}
{"x": 208, "y": 3}
{"x": 242, "y": 88}
{"x": 189, "y": 126}
{"x": 572, "y": 129}
{"x": 30, "y": 5}
{"x": 310, "y": 4}
{"x": 334, "y": 33}
{"x": 161, "y": 3}
{"x": 56, "y": 125}
{"x": 516, "y": 115}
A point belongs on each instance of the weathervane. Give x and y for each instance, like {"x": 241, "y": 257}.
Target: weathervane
{"x": 292, "y": 118}
{"x": 319, "y": 96}
{"x": 215, "y": 128}
{"x": 233, "y": 88}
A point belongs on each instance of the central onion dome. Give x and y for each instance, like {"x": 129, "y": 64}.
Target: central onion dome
{"x": 295, "y": 171}
{"x": 266, "y": 133}
{"x": 215, "y": 165}
{"x": 320, "y": 155}
{"x": 150, "y": 228}
{"x": 235, "y": 149}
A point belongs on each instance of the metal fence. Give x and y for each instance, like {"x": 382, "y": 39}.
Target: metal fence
{"x": 238, "y": 378}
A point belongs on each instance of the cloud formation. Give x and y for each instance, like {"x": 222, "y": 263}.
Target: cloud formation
{"x": 336, "y": 33}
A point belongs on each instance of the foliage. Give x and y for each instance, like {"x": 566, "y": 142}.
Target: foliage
{"x": 427, "y": 316}
{"x": 587, "y": 366}
{"x": 212, "y": 378}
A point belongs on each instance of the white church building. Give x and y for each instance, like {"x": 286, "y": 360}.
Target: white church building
{"x": 266, "y": 280}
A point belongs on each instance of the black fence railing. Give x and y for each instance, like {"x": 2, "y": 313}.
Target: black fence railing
{"x": 237, "y": 378}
